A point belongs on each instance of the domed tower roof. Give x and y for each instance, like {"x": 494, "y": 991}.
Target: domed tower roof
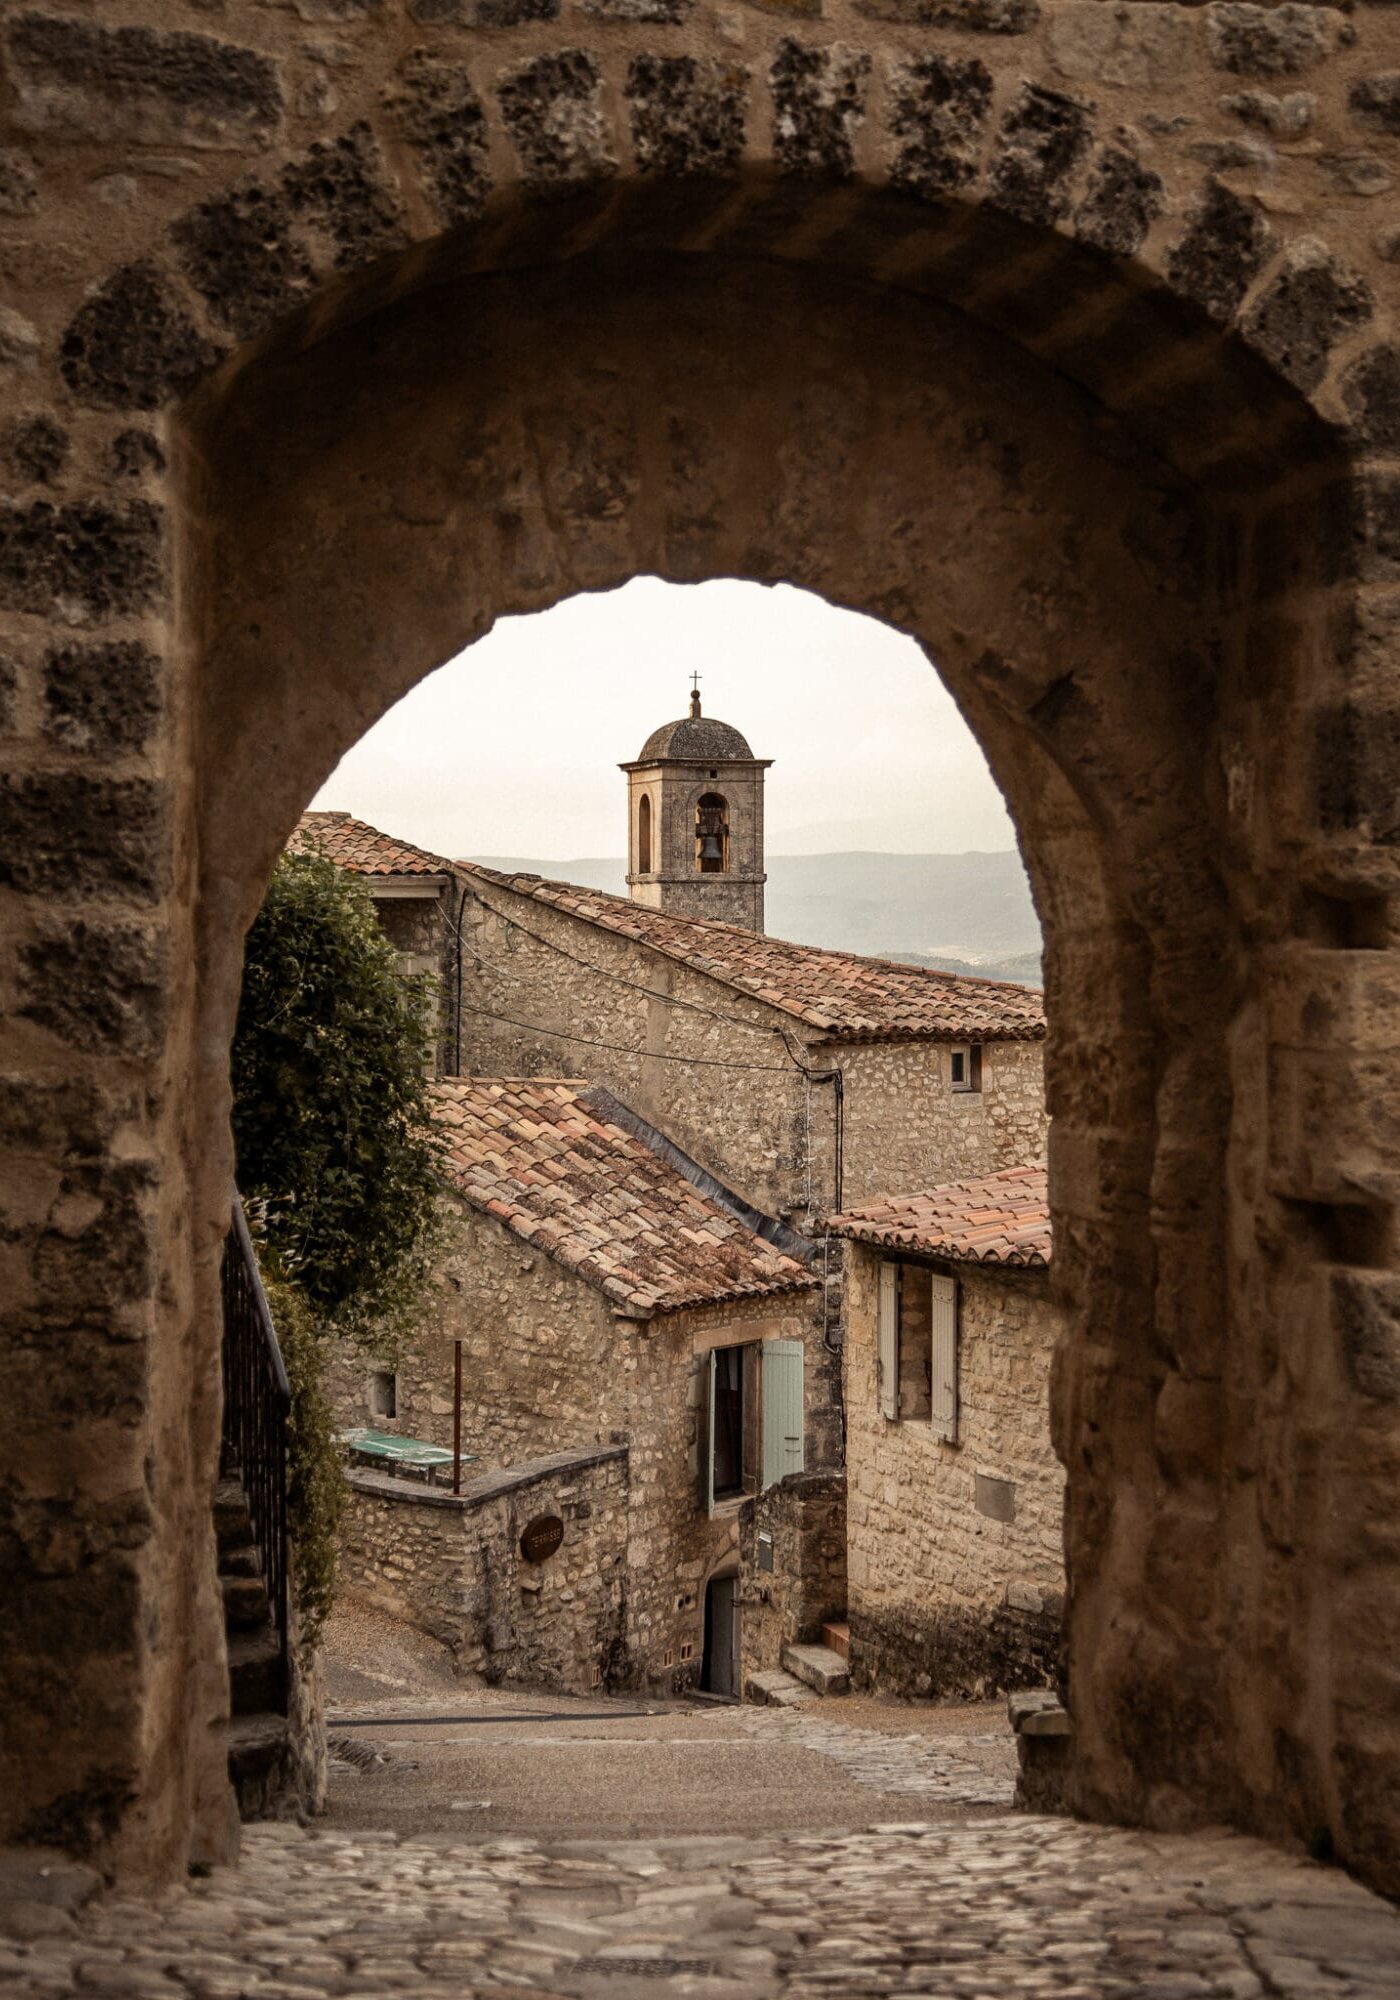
{"x": 695, "y": 738}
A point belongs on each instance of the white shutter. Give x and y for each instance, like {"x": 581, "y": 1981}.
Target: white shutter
{"x": 889, "y": 1340}
{"x": 782, "y": 1410}
{"x": 943, "y": 1303}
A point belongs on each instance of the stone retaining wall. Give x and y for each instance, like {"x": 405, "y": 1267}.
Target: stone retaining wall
{"x": 454, "y": 1568}
{"x": 792, "y": 1565}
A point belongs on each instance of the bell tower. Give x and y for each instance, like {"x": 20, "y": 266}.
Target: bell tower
{"x": 695, "y": 821}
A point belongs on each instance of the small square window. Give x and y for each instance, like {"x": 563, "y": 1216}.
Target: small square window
{"x": 383, "y": 1393}
{"x": 965, "y": 1066}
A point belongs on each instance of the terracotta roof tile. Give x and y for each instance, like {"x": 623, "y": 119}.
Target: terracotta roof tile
{"x": 606, "y": 1206}
{"x": 364, "y": 849}
{"x": 845, "y": 997}
{"x": 1000, "y": 1219}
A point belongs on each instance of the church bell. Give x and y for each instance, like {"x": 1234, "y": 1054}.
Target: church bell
{"x": 711, "y": 848}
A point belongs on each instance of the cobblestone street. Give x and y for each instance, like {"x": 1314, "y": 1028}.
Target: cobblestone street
{"x": 962, "y": 1898}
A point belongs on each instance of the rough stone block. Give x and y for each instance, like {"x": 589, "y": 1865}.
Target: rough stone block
{"x": 1358, "y": 753}
{"x": 938, "y": 112}
{"x": 1312, "y": 304}
{"x": 1269, "y": 41}
{"x": 1043, "y": 138}
{"x": 103, "y": 698}
{"x": 19, "y": 183}
{"x": 342, "y": 187}
{"x": 62, "y": 833}
{"x": 978, "y": 17}
{"x": 134, "y": 454}
{"x": 82, "y": 561}
{"x": 139, "y": 84}
{"x": 1366, "y": 1309}
{"x": 1121, "y": 203}
{"x": 1374, "y": 101}
{"x": 1371, "y": 392}
{"x": 37, "y": 446}
{"x": 667, "y": 12}
{"x": 1143, "y": 47}
{"x": 687, "y": 114}
{"x": 553, "y": 109}
{"x": 1226, "y": 244}
{"x": 238, "y": 252}
{"x": 818, "y": 102}
{"x": 133, "y": 346}
{"x": 1286, "y": 118}
{"x": 441, "y": 117}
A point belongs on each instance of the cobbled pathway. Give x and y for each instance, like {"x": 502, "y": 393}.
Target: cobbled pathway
{"x": 1005, "y": 1907}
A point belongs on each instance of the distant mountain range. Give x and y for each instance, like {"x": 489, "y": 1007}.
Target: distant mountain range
{"x": 956, "y": 912}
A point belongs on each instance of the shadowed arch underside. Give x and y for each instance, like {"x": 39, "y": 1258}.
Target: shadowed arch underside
{"x": 953, "y": 320}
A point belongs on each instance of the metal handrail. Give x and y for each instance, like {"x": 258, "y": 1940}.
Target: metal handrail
{"x": 257, "y": 1406}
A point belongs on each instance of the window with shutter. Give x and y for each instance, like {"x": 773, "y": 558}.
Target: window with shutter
{"x": 782, "y": 1410}
{"x": 889, "y": 1341}
{"x": 943, "y": 1354}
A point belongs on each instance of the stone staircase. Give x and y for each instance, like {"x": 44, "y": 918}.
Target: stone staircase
{"x": 259, "y": 1735}
{"x": 806, "y": 1670}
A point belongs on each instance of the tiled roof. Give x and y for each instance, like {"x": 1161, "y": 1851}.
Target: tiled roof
{"x": 364, "y": 849}
{"x": 544, "y": 1158}
{"x": 1000, "y": 1219}
{"x": 845, "y": 997}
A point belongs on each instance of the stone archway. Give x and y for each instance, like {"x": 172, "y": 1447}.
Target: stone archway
{"x": 909, "y": 317}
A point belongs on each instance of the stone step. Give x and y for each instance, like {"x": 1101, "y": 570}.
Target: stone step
{"x": 819, "y": 1667}
{"x": 259, "y": 1747}
{"x": 776, "y": 1690}
{"x": 837, "y": 1636}
{"x": 246, "y": 1608}
{"x": 257, "y": 1682}
{"x": 232, "y": 1525}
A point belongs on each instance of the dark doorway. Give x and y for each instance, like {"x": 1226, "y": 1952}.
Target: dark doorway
{"x": 720, "y": 1669}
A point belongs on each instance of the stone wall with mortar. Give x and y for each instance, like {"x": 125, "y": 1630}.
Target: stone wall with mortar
{"x": 792, "y": 1565}
{"x": 453, "y": 1567}
{"x": 712, "y": 1070}
{"x": 548, "y": 1366}
{"x": 945, "y": 1599}
{"x": 906, "y": 1128}
{"x": 423, "y": 933}
{"x": 1006, "y": 323}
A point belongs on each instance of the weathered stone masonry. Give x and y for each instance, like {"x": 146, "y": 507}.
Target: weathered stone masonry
{"x": 1059, "y": 335}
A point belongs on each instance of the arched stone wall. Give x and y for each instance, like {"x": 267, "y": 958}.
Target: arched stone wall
{"x": 1056, "y": 333}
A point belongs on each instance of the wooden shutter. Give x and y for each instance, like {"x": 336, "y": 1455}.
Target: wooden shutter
{"x": 889, "y": 1340}
{"x": 705, "y": 1433}
{"x": 943, "y": 1303}
{"x": 782, "y": 1410}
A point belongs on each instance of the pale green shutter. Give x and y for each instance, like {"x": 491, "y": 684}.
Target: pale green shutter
{"x": 782, "y": 1410}
{"x": 889, "y": 1340}
{"x": 943, "y": 1299}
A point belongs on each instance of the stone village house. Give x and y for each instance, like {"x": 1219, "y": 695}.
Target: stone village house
{"x": 637, "y": 1360}
{"x": 955, "y": 1498}
{"x": 791, "y": 1082}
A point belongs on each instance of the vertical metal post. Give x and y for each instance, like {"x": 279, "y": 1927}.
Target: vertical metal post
{"x": 456, "y": 1416}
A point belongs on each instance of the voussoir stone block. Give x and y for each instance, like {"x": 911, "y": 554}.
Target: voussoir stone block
{"x": 88, "y": 81}
{"x": 938, "y": 113}
{"x": 818, "y": 103}
{"x": 1122, "y": 201}
{"x": 1371, "y": 392}
{"x": 553, "y": 109}
{"x": 344, "y": 190}
{"x": 1312, "y": 304}
{"x": 239, "y": 253}
{"x": 1226, "y": 244}
{"x": 1043, "y": 138}
{"x": 441, "y": 116}
{"x": 687, "y": 114}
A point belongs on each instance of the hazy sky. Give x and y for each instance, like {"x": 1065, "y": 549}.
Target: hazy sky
{"x": 513, "y": 747}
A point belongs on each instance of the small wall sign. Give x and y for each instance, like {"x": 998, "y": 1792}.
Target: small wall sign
{"x": 541, "y": 1538}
